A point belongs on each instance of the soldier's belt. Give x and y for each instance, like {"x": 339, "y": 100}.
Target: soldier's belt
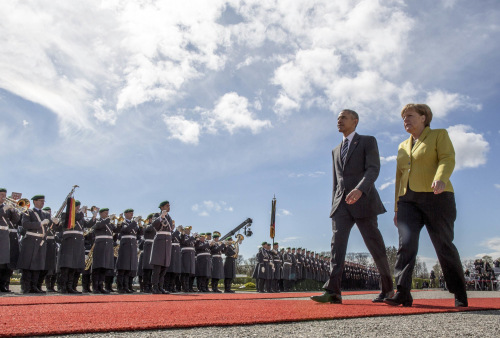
{"x": 164, "y": 233}
{"x": 12, "y": 230}
{"x": 216, "y": 255}
{"x": 288, "y": 263}
{"x": 203, "y": 254}
{"x": 187, "y": 248}
{"x": 128, "y": 236}
{"x": 73, "y": 232}
{"x": 50, "y": 237}
{"x": 103, "y": 237}
{"x": 176, "y": 244}
{"x": 149, "y": 240}
{"x": 34, "y": 234}
{"x": 266, "y": 260}
{"x": 4, "y": 227}
{"x": 277, "y": 260}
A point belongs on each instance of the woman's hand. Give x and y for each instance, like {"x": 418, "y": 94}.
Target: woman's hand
{"x": 395, "y": 219}
{"x": 438, "y": 186}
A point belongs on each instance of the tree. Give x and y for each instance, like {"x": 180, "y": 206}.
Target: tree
{"x": 392, "y": 254}
{"x": 425, "y": 272}
{"x": 487, "y": 258}
{"x": 437, "y": 269}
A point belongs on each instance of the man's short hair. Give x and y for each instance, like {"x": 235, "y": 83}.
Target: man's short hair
{"x": 352, "y": 112}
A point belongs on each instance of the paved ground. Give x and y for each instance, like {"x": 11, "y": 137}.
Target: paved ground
{"x": 463, "y": 324}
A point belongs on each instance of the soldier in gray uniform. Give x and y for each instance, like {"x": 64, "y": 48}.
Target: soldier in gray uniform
{"x": 217, "y": 248}
{"x": 147, "y": 245}
{"x": 103, "y": 259}
{"x": 172, "y": 281}
{"x": 34, "y": 245}
{"x": 71, "y": 256}
{"x": 162, "y": 247}
{"x": 262, "y": 272}
{"x": 276, "y": 259}
{"x": 126, "y": 264}
{"x": 287, "y": 270}
{"x": 203, "y": 262}
{"x": 229, "y": 265}
{"x": 188, "y": 259}
{"x": 9, "y": 218}
{"x": 49, "y": 273}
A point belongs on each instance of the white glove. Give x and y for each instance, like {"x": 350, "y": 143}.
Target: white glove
{"x": 7, "y": 207}
{"x": 163, "y": 213}
{"x": 263, "y": 269}
{"x": 45, "y": 222}
{"x": 55, "y": 220}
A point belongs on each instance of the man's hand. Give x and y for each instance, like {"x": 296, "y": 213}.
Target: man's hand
{"x": 353, "y": 196}
{"x": 45, "y": 222}
{"x": 163, "y": 213}
{"x": 395, "y": 219}
{"x": 55, "y": 220}
{"x": 438, "y": 186}
{"x": 7, "y": 207}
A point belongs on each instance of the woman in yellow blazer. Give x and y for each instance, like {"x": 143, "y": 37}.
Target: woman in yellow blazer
{"x": 425, "y": 196}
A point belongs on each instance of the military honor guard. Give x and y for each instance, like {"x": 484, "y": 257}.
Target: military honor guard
{"x": 126, "y": 264}
{"x": 33, "y": 246}
{"x": 145, "y": 267}
{"x": 102, "y": 252}
{"x": 276, "y": 259}
{"x": 217, "y": 248}
{"x": 263, "y": 272}
{"x": 229, "y": 265}
{"x": 287, "y": 270}
{"x": 188, "y": 259}
{"x": 162, "y": 246}
{"x": 172, "y": 277}
{"x": 49, "y": 274}
{"x": 9, "y": 218}
{"x": 203, "y": 262}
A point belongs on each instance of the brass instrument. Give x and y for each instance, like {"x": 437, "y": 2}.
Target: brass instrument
{"x": 90, "y": 258}
{"x": 22, "y": 206}
{"x": 239, "y": 240}
{"x": 115, "y": 250}
{"x": 85, "y": 209}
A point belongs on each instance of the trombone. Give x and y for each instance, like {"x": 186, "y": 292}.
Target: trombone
{"x": 22, "y": 206}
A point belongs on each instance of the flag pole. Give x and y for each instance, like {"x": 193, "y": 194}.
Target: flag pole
{"x": 273, "y": 218}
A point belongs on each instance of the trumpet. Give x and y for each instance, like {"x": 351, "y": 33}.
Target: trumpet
{"x": 22, "y": 206}
{"x": 85, "y": 209}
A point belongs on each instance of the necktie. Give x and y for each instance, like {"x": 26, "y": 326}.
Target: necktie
{"x": 343, "y": 152}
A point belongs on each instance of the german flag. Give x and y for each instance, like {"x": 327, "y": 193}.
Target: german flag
{"x": 273, "y": 218}
{"x": 70, "y": 213}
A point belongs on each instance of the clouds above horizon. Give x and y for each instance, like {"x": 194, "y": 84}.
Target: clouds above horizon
{"x": 206, "y": 208}
{"x": 131, "y": 54}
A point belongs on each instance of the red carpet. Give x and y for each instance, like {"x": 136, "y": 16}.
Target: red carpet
{"x": 22, "y": 316}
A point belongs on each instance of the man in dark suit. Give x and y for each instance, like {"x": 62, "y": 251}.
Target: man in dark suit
{"x": 356, "y": 166}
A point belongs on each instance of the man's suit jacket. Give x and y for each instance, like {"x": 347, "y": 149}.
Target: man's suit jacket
{"x": 361, "y": 169}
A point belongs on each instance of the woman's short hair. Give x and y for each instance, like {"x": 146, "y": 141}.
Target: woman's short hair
{"x": 421, "y": 109}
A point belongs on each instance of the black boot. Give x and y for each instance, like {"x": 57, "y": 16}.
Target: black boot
{"x": 130, "y": 285}
{"x": 86, "y": 283}
{"x": 156, "y": 290}
{"x": 108, "y": 283}
{"x": 95, "y": 286}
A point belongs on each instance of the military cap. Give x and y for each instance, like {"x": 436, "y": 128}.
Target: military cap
{"x": 282, "y": 249}
{"x": 77, "y": 203}
{"x": 216, "y": 234}
{"x": 229, "y": 239}
{"x": 208, "y": 234}
{"x": 38, "y": 197}
{"x": 128, "y": 210}
{"x": 299, "y": 248}
{"x": 276, "y": 243}
{"x": 264, "y": 243}
{"x": 293, "y": 248}
{"x": 3, "y": 190}
{"x": 47, "y": 208}
{"x": 103, "y": 210}
{"x": 150, "y": 216}
{"x": 163, "y": 203}
{"x": 202, "y": 234}
{"x": 288, "y": 248}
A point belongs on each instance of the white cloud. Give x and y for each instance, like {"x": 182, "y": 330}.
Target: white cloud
{"x": 289, "y": 239}
{"x": 494, "y": 245}
{"x": 25, "y": 123}
{"x": 470, "y": 148}
{"x": 384, "y": 160}
{"x": 497, "y": 186}
{"x": 207, "y": 207}
{"x": 231, "y": 113}
{"x": 284, "y": 212}
{"x": 314, "y": 174}
{"x": 442, "y": 102}
{"x": 182, "y": 129}
{"x": 387, "y": 184}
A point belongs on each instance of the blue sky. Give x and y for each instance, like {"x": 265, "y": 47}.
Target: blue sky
{"x": 218, "y": 106}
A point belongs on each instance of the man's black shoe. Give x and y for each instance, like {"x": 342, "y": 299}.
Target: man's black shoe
{"x": 382, "y": 296}
{"x": 461, "y": 300}
{"x": 331, "y": 298}
{"x": 400, "y": 298}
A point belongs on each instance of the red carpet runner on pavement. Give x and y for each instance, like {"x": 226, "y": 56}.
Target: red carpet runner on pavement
{"x": 28, "y": 316}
